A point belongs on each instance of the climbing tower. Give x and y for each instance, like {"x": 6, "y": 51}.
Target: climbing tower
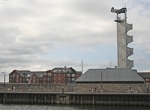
{"x": 123, "y": 39}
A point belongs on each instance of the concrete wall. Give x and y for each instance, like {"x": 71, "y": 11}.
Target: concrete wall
{"x": 79, "y": 88}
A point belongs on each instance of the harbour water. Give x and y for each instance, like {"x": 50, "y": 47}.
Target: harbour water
{"x": 66, "y": 107}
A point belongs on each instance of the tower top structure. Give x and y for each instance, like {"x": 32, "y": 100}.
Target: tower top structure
{"x": 119, "y": 11}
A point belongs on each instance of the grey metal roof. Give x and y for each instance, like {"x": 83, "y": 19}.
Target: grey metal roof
{"x": 39, "y": 73}
{"x": 29, "y": 73}
{"x": 110, "y": 75}
{"x": 144, "y": 74}
{"x": 64, "y": 70}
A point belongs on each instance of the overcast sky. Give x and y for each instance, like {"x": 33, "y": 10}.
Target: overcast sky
{"x": 43, "y": 34}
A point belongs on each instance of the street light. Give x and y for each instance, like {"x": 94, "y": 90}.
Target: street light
{"x": 4, "y": 88}
{"x": 101, "y": 81}
{"x": 4, "y": 80}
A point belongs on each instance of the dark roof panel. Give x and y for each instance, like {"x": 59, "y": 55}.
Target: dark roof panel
{"x": 21, "y": 72}
{"x": 110, "y": 75}
{"x": 39, "y": 73}
{"x": 144, "y": 74}
{"x": 29, "y": 73}
{"x": 91, "y": 75}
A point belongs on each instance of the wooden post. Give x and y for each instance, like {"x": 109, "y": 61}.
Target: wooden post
{"x": 81, "y": 99}
{"x": 93, "y": 100}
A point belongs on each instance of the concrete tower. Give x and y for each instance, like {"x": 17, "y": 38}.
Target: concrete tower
{"x": 123, "y": 39}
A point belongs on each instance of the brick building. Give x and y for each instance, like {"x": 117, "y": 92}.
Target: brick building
{"x": 19, "y": 76}
{"x": 57, "y": 75}
{"x": 65, "y": 75}
{"x": 146, "y": 77}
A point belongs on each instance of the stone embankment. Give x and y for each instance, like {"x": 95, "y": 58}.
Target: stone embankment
{"x": 77, "y": 88}
{"x": 80, "y": 94}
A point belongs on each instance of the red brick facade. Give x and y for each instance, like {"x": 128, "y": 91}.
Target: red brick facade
{"x": 54, "y": 76}
{"x": 65, "y": 75}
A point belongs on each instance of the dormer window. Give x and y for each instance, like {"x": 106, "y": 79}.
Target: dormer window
{"x": 54, "y": 70}
{"x": 24, "y": 75}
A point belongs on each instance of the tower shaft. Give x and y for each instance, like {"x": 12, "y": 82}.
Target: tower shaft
{"x": 123, "y": 39}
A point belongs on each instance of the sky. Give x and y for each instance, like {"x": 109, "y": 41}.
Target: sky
{"x": 40, "y": 35}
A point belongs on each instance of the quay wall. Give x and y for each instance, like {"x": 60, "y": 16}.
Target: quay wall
{"x": 80, "y": 94}
{"x": 77, "y": 88}
{"x": 76, "y": 99}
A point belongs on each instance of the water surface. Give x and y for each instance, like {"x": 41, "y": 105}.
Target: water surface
{"x": 62, "y": 107}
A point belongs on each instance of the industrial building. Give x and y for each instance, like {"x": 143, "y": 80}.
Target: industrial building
{"x": 123, "y": 78}
{"x": 113, "y": 80}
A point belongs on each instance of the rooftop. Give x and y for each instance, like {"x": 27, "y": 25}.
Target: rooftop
{"x": 110, "y": 75}
{"x": 144, "y": 74}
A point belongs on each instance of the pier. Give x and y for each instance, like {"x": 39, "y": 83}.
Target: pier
{"x": 74, "y": 94}
{"x": 76, "y": 99}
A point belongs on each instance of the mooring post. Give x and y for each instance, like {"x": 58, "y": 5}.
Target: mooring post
{"x": 52, "y": 99}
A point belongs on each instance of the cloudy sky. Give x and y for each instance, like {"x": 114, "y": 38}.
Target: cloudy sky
{"x": 43, "y": 34}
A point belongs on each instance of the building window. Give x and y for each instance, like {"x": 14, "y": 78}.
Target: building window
{"x": 13, "y": 75}
{"x": 73, "y": 79}
{"x": 49, "y": 74}
{"x": 68, "y": 75}
{"x": 73, "y": 75}
{"x": 24, "y": 75}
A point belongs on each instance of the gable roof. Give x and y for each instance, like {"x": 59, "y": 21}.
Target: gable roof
{"x": 110, "y": 75}
{"x": 21, "y": 72}
{"x": 30, "y": 73}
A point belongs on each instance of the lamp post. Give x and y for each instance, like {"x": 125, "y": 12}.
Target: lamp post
{"x": 4, "y": 88}
{"x": 4, "y": 80}
{"x": 101, "y": 82}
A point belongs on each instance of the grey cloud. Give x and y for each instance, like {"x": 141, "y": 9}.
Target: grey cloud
{"x": 91, "y": 8}
{"x": 30, "y": 29}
